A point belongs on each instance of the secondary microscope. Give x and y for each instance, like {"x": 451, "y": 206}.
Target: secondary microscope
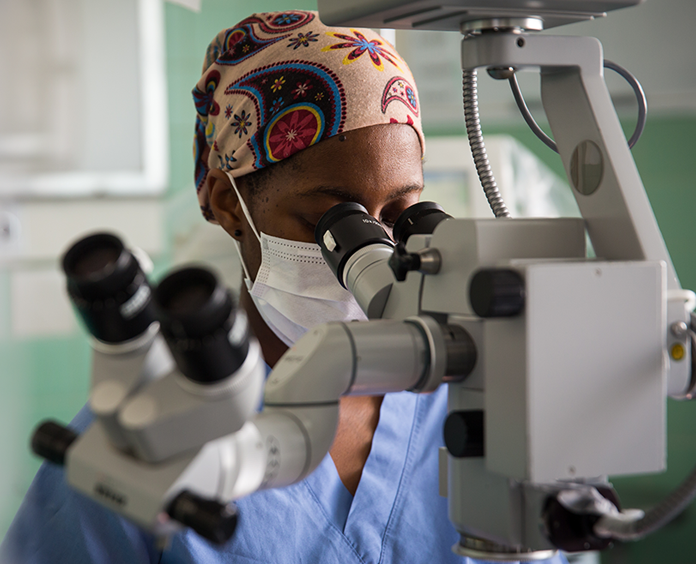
{"x": 559, "y": 366}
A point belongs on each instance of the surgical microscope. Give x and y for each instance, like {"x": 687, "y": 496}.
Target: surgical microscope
{"x": 558, "y": 365}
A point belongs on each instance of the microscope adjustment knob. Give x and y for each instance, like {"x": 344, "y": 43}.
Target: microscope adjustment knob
{"x": 496, "y": 292}
{"x": 210, "y": 519}
{"x": 51, "y": 441}
{"x": 425, "y": 261}
{"x": 464, "y": 433}
{"x": 402, "y": 262}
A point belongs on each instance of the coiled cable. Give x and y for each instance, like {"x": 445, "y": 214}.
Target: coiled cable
{"x": 527, "y": 115}
{"x": 478, "y": 149}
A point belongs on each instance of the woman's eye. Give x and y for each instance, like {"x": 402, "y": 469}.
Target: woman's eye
{"x": 388, "y": 222}
{"x": 310, "y": 221}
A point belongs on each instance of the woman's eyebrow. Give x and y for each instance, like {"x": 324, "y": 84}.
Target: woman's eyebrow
{"x": 347, "y": 195}
{"x": 336, "y": 191}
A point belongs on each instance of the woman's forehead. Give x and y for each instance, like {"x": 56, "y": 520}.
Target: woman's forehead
{"x": 388, "y": 156}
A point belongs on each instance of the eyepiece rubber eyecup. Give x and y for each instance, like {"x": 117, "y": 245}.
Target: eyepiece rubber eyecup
{"x": 192, "y": 299}
{"x": 351, "y": 228}
{"x": 108, "y": 288}
{"x": 420, "y": 218}
{"x": 197, "y": 318}
{"x": 334, "y": 214}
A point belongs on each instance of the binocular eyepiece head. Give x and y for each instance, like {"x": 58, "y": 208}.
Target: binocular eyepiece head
{"x": 108, "y": 288}
{"x": 207, "y": 335}
{"x": 357, "y": 248}
{"x": 347, "y": 228}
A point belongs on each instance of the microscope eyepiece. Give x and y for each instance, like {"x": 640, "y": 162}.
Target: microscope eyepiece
{"x": 51, "y": 441}
{"x": 208, "y": 337}
{"x": 108, "y": 288}
{"x": 343, "y": 231}
{"x": 209, "y": 518}
{"x": 191, "y": 303}
{"x": 357, "y": 248}
{"x": 420, "y": 218}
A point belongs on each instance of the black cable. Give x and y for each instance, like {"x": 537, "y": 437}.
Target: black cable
{"x": 527, "y": 115}
{"x": 640, "y": 97}
{"x": 635, "y": 85}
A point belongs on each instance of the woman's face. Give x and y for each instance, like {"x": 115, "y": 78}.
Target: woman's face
{"x": 378, "y": 167}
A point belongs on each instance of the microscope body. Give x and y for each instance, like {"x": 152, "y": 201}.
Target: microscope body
{"x": 154, "y": 423}
{"x": 572, "y": 386}
{"x": 569, "y": 384}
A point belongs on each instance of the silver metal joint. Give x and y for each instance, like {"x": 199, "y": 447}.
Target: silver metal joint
{"x": 679, "y": 329}
{"x": 501, "y": 73}
{"x": 511, "y": 25}
{"x": 461, "y": 353}
{"x": 435, "y": 341}
{"x": 482, "y": 549}
{"x": 430, "y": 261}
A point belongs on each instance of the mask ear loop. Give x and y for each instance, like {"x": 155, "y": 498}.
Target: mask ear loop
{"x": 237, "y": 246}
{"x": 247, "y": 278}
{"x": 245, "y": 210}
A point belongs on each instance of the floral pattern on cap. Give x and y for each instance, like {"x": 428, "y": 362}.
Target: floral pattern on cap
{"x": 278, "y": 83}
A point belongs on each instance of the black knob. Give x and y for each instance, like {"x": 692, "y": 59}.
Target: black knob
{"x": 496, "y": 292}
{"x": 464, "y": 433}
{"x": 51, "y": 441}
{"x": 210, "y": 519}
{"x": 402, "y": 262}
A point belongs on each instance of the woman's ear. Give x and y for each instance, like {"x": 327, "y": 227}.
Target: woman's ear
{"x": 224, "y": 203}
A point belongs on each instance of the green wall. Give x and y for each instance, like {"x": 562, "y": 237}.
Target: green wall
{"x": 41, "y": 378}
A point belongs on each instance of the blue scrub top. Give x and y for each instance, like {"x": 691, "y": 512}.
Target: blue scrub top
{"x": 396, "y": 514}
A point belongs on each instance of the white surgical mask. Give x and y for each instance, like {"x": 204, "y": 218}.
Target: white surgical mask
{"x": 294, "y": 288}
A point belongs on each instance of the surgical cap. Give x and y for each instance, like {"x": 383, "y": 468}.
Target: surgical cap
{"x": 279, "y": 82}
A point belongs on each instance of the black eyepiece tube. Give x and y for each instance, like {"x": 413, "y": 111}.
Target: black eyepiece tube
{"x": 108, "y": 288}
{"x": 51, "y": 441}
{"x": 345, "y": 229}
{"x": 209, "y": 518}
{"x": 208, "y": 338}
{"x": 420, "y": 218}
